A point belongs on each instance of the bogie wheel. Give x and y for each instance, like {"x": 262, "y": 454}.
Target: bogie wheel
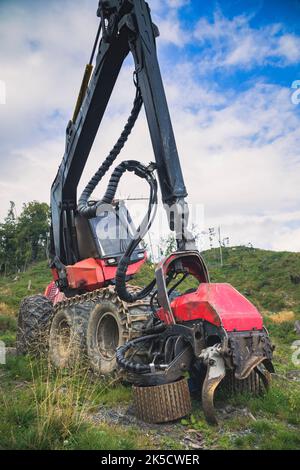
{"x": 34, "y": 321}
{"x": 66, "y": 339}
{"x": 105, "y": 333}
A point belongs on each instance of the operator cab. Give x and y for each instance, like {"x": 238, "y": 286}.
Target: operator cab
{"x": 108, "y": 235}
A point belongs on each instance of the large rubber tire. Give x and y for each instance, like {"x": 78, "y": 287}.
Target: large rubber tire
{"x": 67, "y": 336}
{"x": 34, "y": 319}
{"x": 105, "y": 333}
{"x": 96, "y": 324}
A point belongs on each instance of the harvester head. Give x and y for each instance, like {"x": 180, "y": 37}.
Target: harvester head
{"x": 213, "y": 335}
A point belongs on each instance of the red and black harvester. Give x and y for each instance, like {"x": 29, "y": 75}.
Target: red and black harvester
{"x": 167, "y": 343}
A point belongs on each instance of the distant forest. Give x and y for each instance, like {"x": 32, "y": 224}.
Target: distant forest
{"x": 24, "y": 237}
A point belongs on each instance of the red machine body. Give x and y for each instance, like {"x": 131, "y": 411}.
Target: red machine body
{"x": 89, "y": 274}
{"x": 217, "y": 303}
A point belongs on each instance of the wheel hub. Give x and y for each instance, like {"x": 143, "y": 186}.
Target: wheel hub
{"x": 107, "y": 335}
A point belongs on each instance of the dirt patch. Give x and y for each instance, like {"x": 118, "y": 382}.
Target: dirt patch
{"x": 182, "y": 435}
{"x": 124, "y": 416}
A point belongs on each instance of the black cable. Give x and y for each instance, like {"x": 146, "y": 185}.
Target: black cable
{"x": 89, "y": 211}
{"x": 168, "y": 280}
{"x": 178, "y": 283}
{"x": 146, "y": 173}
{"x": 152, "y": 302}
{"x": 83, "y": 207}
{"x": 120, "y": 278}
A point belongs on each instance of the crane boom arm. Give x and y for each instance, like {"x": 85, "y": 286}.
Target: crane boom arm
{"x": 126, "y": 26}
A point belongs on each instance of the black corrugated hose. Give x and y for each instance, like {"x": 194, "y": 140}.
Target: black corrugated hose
{"x": 83, "y": 207}
{"x": 129, "y": 365}
{"x": 145, "y": 173}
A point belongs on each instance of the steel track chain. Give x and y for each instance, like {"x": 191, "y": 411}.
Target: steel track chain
{"x": 137, "y": 312}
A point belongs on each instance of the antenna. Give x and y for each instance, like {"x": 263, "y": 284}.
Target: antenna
{"x": 220, "y": 245}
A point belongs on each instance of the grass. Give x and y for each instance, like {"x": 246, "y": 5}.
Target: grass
{"x": 15, "y": 287}
{"x": 264, "y": 423}
{"x": 48, "y": 409}
{"x": 269, "y": 435}
{"x": 7, "y": 329}
{"x": 44, "y": 409}
{"x": 282, "y": 402}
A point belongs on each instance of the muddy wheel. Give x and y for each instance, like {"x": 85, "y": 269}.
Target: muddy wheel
{"x": 105, "y": 333}
{"x": 67, "y": 338}
{"x": 34, "y": 321}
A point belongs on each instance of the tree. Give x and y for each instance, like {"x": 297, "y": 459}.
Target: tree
{"x": 8, "y": 241}
{"x": 167, "y": 245}
{"x": 33, "y": 229}
{"x": 24, "y": 239}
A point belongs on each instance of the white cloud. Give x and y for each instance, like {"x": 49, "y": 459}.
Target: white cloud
{"x": 171, "y": 31}
{"x": 289, "y": 47}
{"x": 239, "y": 152}
{"x": 177, "y": 3}
{"x": 243, "y": 163}
{"x": 233, "y": 42}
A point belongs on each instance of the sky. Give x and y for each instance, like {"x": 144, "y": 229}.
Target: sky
{"x": 232, "y": 79}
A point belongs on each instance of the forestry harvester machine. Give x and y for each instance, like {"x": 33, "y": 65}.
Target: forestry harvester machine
{"x": 168, "y": 344}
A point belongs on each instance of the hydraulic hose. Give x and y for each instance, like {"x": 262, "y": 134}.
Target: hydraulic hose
{"x": 128, "y": 165}
{"x": 89, "y": 211}
{"x": 145, "y": 173}
{"x": 156, "y": 329}
{"x": 129, "y": 365}
{"x": 144, "y": 227}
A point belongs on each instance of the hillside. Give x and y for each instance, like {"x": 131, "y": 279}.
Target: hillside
{"x": 269, "y": 279}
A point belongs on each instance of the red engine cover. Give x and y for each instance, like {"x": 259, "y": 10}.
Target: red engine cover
{"x": 219, "y": 304}
{"x": 91, "y": 273}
